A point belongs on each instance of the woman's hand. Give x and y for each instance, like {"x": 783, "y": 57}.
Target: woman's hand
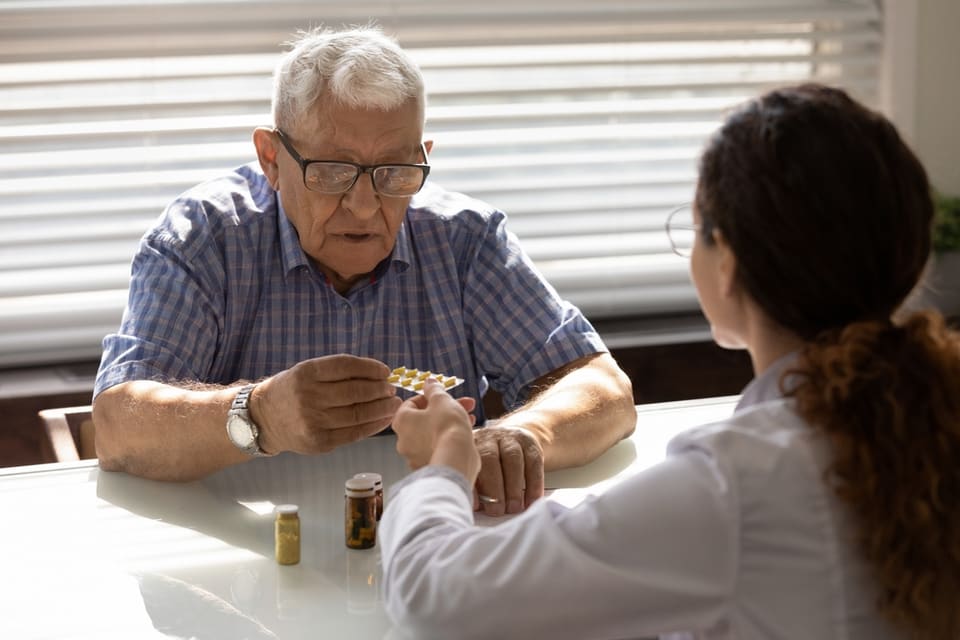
{"x": 437, "y": 429}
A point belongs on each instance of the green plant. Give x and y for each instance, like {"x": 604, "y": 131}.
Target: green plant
{"x": 946, "y": 224}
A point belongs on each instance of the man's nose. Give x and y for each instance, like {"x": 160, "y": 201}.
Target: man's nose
{"x": 361, "y": 199}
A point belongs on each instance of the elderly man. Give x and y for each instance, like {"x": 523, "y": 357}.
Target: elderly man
{"x": 316, "y": 270}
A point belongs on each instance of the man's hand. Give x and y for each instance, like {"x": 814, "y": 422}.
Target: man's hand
{"x": 575, "y": 414}
{"x": 323, "y": 403}
{"x": 511, "y": 476}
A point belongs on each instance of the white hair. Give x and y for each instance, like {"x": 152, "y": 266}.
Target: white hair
{"x": 360, "y": 68}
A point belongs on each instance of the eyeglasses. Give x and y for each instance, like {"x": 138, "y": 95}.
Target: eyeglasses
{"x": 682, "y": 230}
{"x": 333, "y": 176}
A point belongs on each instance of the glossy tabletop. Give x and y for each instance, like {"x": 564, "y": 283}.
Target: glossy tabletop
{"x": 91, "y": 554}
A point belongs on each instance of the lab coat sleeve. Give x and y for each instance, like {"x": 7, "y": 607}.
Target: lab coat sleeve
{"x": 656, "y": 553}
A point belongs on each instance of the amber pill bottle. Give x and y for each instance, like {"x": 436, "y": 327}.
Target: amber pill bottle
{"x": 360, "y": 513}
{"x": 377, "y": 489}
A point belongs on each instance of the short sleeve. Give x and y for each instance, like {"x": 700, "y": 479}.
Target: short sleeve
{"x": 171, "y": 325}
{"x": 522, "y": 328}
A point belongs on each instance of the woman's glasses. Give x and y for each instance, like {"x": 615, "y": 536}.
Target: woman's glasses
{"x": 682, "y": 230}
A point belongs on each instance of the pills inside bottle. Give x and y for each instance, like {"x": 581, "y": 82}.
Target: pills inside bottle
{"x": 287, "y": 534}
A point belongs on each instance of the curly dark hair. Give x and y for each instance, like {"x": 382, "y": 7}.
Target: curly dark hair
{"x": 829, "y": 215}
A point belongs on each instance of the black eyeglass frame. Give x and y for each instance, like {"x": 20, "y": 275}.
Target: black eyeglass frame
{"x": 361, "y": 168}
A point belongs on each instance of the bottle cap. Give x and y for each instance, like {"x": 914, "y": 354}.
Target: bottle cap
{"x": 359, "y": 487}
{"x": 286, "y": 509}
{"x": 376, "y": 477}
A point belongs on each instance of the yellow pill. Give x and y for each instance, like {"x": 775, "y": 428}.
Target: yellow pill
{"x": 424, "y": 375}
{"x": 393, "y": 378}
{"x": 418, "y": 386}
{"x": 449, "y": 382}
{"x": 399, "y": 371}
{"x": 412, "y": 372}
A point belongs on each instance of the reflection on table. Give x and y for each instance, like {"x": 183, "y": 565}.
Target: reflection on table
{"x": 87, "y": 554}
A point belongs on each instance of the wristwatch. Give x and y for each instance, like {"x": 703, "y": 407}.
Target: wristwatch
{"x": 241, "y": 429}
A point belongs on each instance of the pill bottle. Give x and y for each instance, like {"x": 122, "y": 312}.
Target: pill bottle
{"x": 377, "y": 490}
{"x": 287, "y": 534}
{"x": 360, "y": 513}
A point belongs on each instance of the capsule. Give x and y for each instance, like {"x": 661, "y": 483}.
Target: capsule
{"x": 415, "y": 379}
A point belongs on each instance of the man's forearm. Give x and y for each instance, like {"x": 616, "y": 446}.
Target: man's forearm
{"x": 164, "y": 432}
{"x": 584, "y": 412}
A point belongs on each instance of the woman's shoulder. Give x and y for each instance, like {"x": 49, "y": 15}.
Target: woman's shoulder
{"x": 758, "y": 437}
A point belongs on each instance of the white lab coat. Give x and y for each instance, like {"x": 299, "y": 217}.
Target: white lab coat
{"x": 734, "y": 535}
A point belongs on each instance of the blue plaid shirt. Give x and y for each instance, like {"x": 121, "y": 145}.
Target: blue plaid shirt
{"x": 221, "y": 291}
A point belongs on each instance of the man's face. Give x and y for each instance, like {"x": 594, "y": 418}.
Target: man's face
{"x": 348, "y": 234}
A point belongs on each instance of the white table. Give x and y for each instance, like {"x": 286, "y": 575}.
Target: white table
{"x": 91, "y": 554}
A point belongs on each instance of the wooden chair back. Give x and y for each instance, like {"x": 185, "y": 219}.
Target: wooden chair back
{"x": 70, "y": 433}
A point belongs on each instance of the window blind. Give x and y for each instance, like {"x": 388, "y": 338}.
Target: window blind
{"x": 582, "y": 120}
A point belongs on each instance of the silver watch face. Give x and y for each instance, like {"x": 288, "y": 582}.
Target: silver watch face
{"x": 240, "y": 431}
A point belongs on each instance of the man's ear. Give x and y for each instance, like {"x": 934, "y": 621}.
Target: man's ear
{"x": 266, "y": 143}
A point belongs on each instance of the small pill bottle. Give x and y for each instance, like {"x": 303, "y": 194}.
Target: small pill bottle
{"x": 377, "y": 489}
{"x": 360, "y": 513}
{"x": 287, "y": 534}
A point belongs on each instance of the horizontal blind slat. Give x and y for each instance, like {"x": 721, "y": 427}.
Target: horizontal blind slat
{"x": 95, "y": 138}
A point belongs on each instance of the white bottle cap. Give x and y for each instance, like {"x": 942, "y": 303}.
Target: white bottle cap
{"x": 376, "y": 477}
{"x": 359, "y": 487}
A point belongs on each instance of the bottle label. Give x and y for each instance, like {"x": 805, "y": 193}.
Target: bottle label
{"x": 287, "y": 541}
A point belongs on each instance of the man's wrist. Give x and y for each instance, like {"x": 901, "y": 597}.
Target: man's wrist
{"x": 242, "y": 430}
{"x": 258, "y": 414}
{"x": 527, "y": 428}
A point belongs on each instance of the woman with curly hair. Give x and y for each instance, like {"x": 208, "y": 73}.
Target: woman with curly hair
{"x": 827, "y": 506}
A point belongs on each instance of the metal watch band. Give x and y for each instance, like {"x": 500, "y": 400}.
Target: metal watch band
{"x": 242, "y": 400}
{"x": 241, "y": 407}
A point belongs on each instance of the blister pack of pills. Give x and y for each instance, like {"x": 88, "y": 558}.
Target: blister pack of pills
{"x": 413, "y": 379}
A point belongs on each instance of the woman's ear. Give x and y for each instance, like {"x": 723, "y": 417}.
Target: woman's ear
{"x": 265, "y": 141}
{"x": 726, "y": 265}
